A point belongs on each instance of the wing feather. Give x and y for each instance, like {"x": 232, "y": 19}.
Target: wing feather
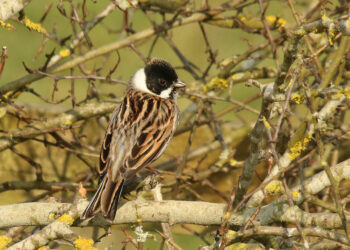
{"x": 105, "y": 147}
{"x": 137, "y": 135}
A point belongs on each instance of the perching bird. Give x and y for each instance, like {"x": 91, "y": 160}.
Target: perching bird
{"x": 138, "y": 133}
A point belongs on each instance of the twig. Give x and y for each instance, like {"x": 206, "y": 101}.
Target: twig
{"x": 267, "y": 29}
{"x": 287, "y": 233}
{"x": 157, "y": 194}
{"x": 56, "y": 230}
{"x": 55, "y": 123}
{"x": 3, "y": 58}
{"x": 19, "y": 83}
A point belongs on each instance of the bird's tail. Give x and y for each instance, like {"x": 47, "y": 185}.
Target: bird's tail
{"x": 105, "y": 199}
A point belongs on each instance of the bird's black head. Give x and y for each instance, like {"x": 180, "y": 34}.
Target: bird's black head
{"x": 158, "y": 78}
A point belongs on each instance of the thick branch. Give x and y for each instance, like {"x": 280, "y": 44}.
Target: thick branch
{"x": 174, "y": 212}
{"x": 169, "y": 211}
{"x": 256, "y": 140}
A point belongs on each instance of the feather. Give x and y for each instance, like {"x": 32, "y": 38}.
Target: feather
{"x": 139, "y": 131}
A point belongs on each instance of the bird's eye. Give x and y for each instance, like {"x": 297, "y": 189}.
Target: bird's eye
{"x": 162, "y": 82}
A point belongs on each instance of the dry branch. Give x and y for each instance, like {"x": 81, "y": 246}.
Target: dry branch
{"x": 61, "y": 122}
{"x": 55, "y": 230}
{"x": 197, "y": 17}
{"x": 287, "y": 233}
{"x": 285, "y": 159}
{"x": 175, "y": 212}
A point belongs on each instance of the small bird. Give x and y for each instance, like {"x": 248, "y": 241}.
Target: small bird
{"x": 138, "y": 133}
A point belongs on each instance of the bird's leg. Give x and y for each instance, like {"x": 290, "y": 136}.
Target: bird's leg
{"x": 155, "y": 177}
{"x": 144, "y": 189}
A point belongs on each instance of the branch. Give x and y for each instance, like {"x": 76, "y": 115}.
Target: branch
{"x": 176, "y": 212}
{"x": 170, "y": 5}
{"x": 290, "y": 53}
{"x": 88, "y": 26}
{"x": 56, "y": 230}
{"x": 30, "y": 185}
{"x": 286, "y": 159}
{"x": 197, "y": 17}
{"x": 169, "y": 211}
{"x": 62, "y": 121}
{"x": 256, "y": 143}
{"x": 287, "y": 233}
{"x": 322, "y": 220}
{"x": 10, "y": 8}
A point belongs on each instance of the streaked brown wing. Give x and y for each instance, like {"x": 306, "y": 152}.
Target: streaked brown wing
{"x": 154, "y": 138}
{"x": 104, "y": 152}
{"x": 138, "y": 133}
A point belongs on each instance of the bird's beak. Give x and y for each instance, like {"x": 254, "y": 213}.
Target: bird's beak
{"x": 179, "y": 84}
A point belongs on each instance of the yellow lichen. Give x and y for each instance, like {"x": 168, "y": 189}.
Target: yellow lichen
{"x": 10, "y": 95}
{"x": 298, "y": 98}
{"x": 6, "y": 25}
{"x": 65, "y": 218}
{"x": 51, "y": 216}
{"x": 276, "y": 21}
{"x": 232, "y": 162}
{"x": 42, "y": 248}
{"x": 299, "y": 147}
{"x": 227, "y": 215}
{"x": 331, "y": 29}
{"x": 4, "y": 241}
{"x": 230, "y": 234}
{"x": 215, "y": 83}
{"x": 34, "y": 26}
{"x": 295, "y": 195}
{"x": 82, "y": 243}
{"x": 68, "y": 122}
{"x": 281, "y": 22}
{"x": 64, "y": 52}
{"x": 339, "y": 94}
{"x": 331, "y": 36}
{"x": 271, "y": 19}
{"x": 237, "y": 76}
{"x": 274, "y": 188}
{"x": 324, "y": 16}
{"x": 266, "y": 123}
{"x": 139, "y": 220}
{"x": 255, "y": 23}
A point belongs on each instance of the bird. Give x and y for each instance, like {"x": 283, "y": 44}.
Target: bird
{"x": 138, "y": 133}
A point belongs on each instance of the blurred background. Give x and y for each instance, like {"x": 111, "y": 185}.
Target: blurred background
{"x": 78, "y": 161}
